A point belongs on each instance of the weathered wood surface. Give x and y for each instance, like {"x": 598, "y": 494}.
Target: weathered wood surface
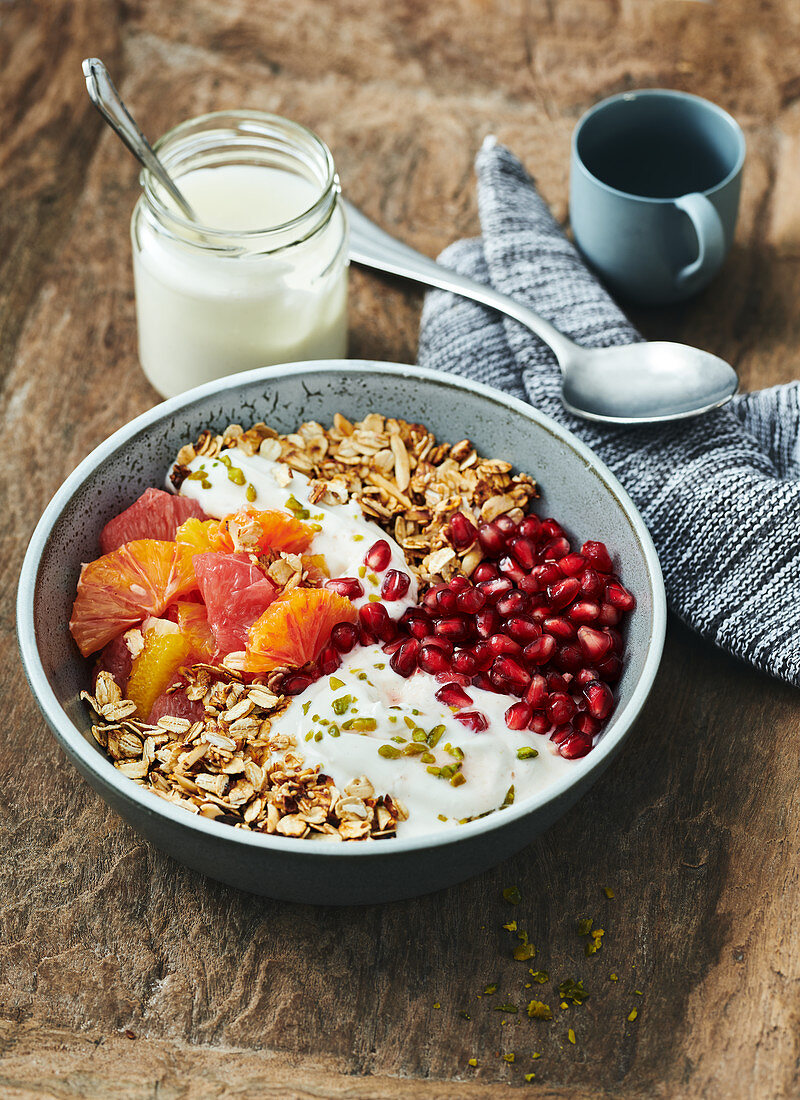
{"x": 124, "y": 975}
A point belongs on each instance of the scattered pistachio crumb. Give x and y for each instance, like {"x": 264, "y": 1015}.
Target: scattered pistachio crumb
{"x": 511, "y": 926}
{"x": 512, "y": 895}
{"x": 638, "y": 993}
{"x": 535, "y": 1055}
{"x": 540, "y": 976}
{"x": 524, "y": 952}
{"x": 538, "y": 1010}
{"x": 571, "y": 1036}
{"x": 609, "y": 893}
{"x": 490, "y": 989}
{"x": 506, "y": 1008}
{"x": 436, "y": 1004}
{"x": 464, "y": 1015}
{"x": 585, "y": 926}
{"x": 634, "y": 1012}
{"x": 509, "y": 1057}
{"x": 529, "y": 1077}
{"x": 472, "y": 1062}
{"x": 612, "y": 977}
{"x": 527, "y": 753}
{"x": 563, "y": 1005}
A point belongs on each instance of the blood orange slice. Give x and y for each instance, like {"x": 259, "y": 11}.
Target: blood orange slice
{"x": 294, "y": 629}
{"x": 202, "y": 536}
{"x": 121, "y": 588}
{"x": 236, "y": 593}
{"x": 269, "y": 530}
{"x": 155, "y": 515}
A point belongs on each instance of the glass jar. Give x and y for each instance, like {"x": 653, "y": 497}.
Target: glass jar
{"x": 266, "y": 285}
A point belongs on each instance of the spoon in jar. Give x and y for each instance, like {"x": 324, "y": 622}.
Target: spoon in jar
{"x": 109, "y": 103}
{"x": 640, "y": 383}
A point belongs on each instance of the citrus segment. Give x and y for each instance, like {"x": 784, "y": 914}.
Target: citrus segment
{"x": 294, "y": 629}
{"x": 155, "y": 667}
{"x": 155, "y": 515}
{"x": 280, "y": 531}
{"x": 202, "y": 536}
{"x": 176, "y": 704}
{"x": 117, "y": 591}
{"x": 247, "y": 528}
{"x": 192, "y": 620}
{"x": 236, "y": 593}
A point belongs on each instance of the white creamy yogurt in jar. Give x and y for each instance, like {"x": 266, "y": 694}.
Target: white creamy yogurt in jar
{"x": 262, "y": 278}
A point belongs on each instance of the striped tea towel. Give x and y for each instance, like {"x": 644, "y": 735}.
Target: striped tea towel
{"x": 720, "y": 494}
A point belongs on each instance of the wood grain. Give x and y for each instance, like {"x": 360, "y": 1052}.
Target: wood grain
{"x": 696, "y": 828}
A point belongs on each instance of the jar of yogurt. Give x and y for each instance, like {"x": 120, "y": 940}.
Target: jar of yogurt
{"x": 261, "y": 278}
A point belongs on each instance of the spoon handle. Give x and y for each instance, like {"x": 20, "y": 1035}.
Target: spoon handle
{"x": 109, "y": 103}
{"x": 372, "y": 247}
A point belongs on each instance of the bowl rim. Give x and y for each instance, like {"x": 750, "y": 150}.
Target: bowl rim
{"x": 77, "y": 746}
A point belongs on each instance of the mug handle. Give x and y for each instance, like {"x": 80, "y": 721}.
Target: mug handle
{"x": 710, "y": 239}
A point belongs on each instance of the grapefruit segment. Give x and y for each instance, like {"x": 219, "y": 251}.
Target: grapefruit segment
{"x": 236, "y": 593}
{"x": 120, "y": 589}
{"x": 176, "y": 705}
{"x": 192, "y": 620}
{"x": 155, "y": 668}
{"x": 294, "y": 629}
{"x": 155, "y": 515}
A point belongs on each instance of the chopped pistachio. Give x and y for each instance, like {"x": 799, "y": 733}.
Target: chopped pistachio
{"x": 335, "y": 683}
{"x": 458, "y": 779}
{"x": 472, "y": 1062}
{"x": 634, "y": 1012}
{"x": 250, "y": 492}
{"x": 529, "y": 1077}
{"x": 434, "y": 735}
{"x": 612, "y": 977}
{"x": 512, "y": 924}
{"x": 540, "y": 976}
{"x": 373, "y": 597}
{"x": 436, "y": 1004}
{"x": 389, "y": 752}
{"x": 527, "y": 753}
{"x": 306, "y": 706}
{"x": 608, "y": 892}
{"x": 524, "y": 952}
{"x": 341, "y": 704}
{"x": 509, "y": 1057}
{"x": 506, "y": 1008}
{"x": 512, "y": 895}
{"x": 297, "y": 509}
{"x": 571, "y": 1036}
{"x": 363, "y": 725}
{"x": 464, "y": 1015}
{"x": 508, "y": 800}
{"x": 428, "y": 758}
{"x": 490, "y": 989}
{"x": 585, "y": 926}
{"x": 538, "y": 1010}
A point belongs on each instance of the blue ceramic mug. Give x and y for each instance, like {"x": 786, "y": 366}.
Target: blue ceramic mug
{"x": 654, "y": 192}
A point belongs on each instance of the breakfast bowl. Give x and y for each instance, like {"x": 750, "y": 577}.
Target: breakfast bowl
{"x": 574, "y": 485}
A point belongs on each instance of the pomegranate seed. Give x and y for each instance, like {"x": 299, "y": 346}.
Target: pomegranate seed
{"x": 530, "y": 528}
{"x": 296, "y": 683}
{"x": 609, "y": 615}
{"x": 575, "y": 746}
{"x": 444, "y": 644}
{"x": 563, "y": 592}
{"x": 458, "y": 583}
{"x": 594, "y": 643}
{"x": 546, "y": 575}
{"x": 420, "y": 628}
{"x": 512, "y": 604}
{"x": 462, "y": 532}
{"x": 561, "y": 733}
{"x": 557, "y": 682}
{"x": 540, "y": 650}
{"x": 506, "y": 525}
{"x": 395, "y": 585}
{"x": 517, "y": 716}
{"x": 560, "y": 708}
{"x": 445, "y": 602}
{"x": 586, "y": 675}
{"x": 429, "y": 600}
{"x": 487, "y": 622}
{"x": 616, "y": 639}
{"x": 584, "y": 723}
{"x": 551, "y": 529}
{"x": 474, "y": 720}
{"x": 523, "y": 551}
{"x": 365, "y": 636}
{"x": 523, "y": 630}
{"x": 528, "y": 584}
{"x": 568, "y": 658}
{"x": 344, "y": 636}
{"x": 414, "y": 614}
{"x": 376, "y": 619}
{"x": 592, "y": 585}
{"x": 485, "y": 572}
{"x": 470, "y": 600}
{"x": 452, "y": 695}
{"x": 454, "y": 678}
{"x": 491, "y": 540}
{"x": 481, "y": 680}
{"x": 540, "y": 614}
{"x": 539, "y": 722}
{"x": 559, "y": 628}
{"x": 536, "y": 692}
{"x": 598, "y": 556}
{"x": 555, "y": 549}
{"x": 599, "y": 700}
{"x": 404, "y": 661}
{"x": 349, "y": 587}
{"x": 610, "y": 668}
{"x": 464, "y": 662}
{"x": 482, "y": 652}
{"x": 572, "y": 564}
{"x": 329, "y": 660}
{"x": 378, "y": 556}
{"x": 456, "y": 629}
{"x": 619, "y": 596}
{"x": 506, "y": 672}
{"x": 511, "y": 568}
{"x": 501, "y": 644}
{"x": 392, "y": 647}
{"x": 584, "y": 611}
{"x": 493, "y": 590}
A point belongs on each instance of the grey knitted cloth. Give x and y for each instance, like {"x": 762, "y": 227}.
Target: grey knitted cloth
{"x": 720, "y": 494}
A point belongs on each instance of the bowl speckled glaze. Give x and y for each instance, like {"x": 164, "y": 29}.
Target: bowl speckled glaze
{"x": 576, "y": 488}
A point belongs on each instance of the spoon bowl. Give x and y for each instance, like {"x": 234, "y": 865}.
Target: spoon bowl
{"x": 645, "y": 383}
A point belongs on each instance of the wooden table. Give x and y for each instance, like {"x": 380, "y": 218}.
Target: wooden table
{"x": 122, "y": 974}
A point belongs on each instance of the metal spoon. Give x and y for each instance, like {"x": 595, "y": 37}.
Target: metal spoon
{"x": 109, "y": 103}
{"x": 632, "y": 384}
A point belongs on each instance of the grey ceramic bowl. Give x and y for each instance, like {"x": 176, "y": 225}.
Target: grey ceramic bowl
{"x": 576, "y": 488}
